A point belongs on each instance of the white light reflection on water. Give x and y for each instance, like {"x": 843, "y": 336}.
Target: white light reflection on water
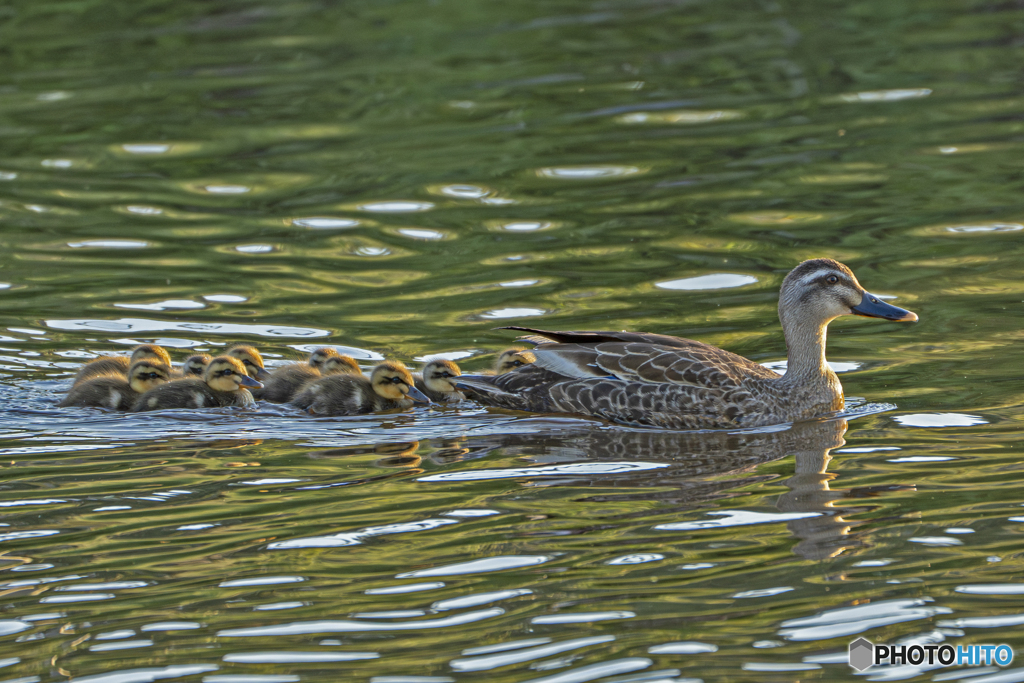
{"x": 518, "y": 654}
{"x": 594, "y": 671}
{"x": 357, "y": 537}
{"x": 261, "y": 581}
{"x": 729, "y": 518}
{"x": 170, "y": 304}
{"x": 940, "y": 420}
{"x": 847, "y": 621}
{"x": 705, "y": 282}
{"x": 571, "y": 469}
{"x": 351, "y": 626}
{"x": 293, "y": 657}
{"x": 582, "y": 617}
{"x": 326, "y": 223}
{"x": 137, "y": 325}
{"x": 478, "y": 599}
{"x": 408, "y": 588}
{"x": 488, "y": 564}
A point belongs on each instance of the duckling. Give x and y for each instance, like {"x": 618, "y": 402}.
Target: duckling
{"x": 389, "y": 386}
{"x": 223, "y": 384}
{"x": 118, "y": 392}
{"x": 512, "y": 358}
{"x": 286, "y": 381}
{"x": 194, "y": 366}
{"x": 325, "y": 354}
{"x": 119, "y": 365}
{"x": 435, "y": 381}
{"x": 251, "y": 359}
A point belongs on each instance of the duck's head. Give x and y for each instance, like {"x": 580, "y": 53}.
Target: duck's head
{"x": 147, "y": 374}
{"x": 196, "y": 365}
{"x": 320, "y": 356}
{"x": 250, "y": 358}
{"x": 513, "y": 358}
{"x": 151, "y": 352}
{"x": 392, "y": 380}
{"x": 438, "y": 375}
{"x": 340, "y": 365}
{"x": 227, "y": 373}
{"x": 821, "y": 290}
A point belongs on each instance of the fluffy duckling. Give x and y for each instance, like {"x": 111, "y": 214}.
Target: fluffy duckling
{"x": 286, "y": 381}
{"x": 512, "y": 358}
{"x": 435, "y": 381}
{"x": 318, "y": 358}
{"x": 251, "y": 359}
{"x": 389, "y": 386}
{"x": 118, "y": 392}
{"x": 194, "y": 366}
{"x": 223, "y": 384}
{"x": 119, "y": 365}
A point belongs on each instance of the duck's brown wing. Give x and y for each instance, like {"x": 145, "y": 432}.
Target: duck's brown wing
{"x": 698, "y": 365}
{"x": 672, "y": 406}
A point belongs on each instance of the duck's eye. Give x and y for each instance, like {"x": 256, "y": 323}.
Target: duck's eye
{"x": 832, "y": 279}
{"x": 517, "y": 363}
{"x": 396, "y": 380}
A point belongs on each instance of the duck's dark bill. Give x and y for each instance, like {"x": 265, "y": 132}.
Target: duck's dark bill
{"x": 262, "y": 374}
{"x": 871, "y": 306}
{"x": 247, "y": 381}
{"x": 417, "y": 395}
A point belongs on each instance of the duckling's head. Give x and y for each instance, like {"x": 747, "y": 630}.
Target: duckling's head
{"x": 320, "y": 356}
{"x": 513, "y": 358}
{"x": 250, "y": 358}
{"x": 438, "y": 375}
{"x": 147, "y": 374}
{"x": 820, "y": 290}
{"x": 196, "y": 365}
{"x": 340, "y": 365}
{"x": 392, "y": 380}
{"x": 151, "y": 352}
{"x": 227, "y": 373}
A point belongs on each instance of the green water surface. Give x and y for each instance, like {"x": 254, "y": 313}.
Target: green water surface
{"x": 399, "y": 177}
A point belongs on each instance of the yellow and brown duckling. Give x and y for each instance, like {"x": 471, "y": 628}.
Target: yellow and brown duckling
{"x": 286, "y": 381}
{"x": 251, "y": 359}
{"x": 119, "y": 365}
{"x": 388, "y": 387}
{"x": 326, "y": 354}
{"x": 223, "y": 384}
{"x": 118, "y": 392}
{"x": 512, "y": 358}
{"x": 193, "y": 366}
{"x": 436, "y": 381}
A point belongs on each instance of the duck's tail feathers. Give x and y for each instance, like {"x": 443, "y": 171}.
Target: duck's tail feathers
{"x": 480, "y": 384}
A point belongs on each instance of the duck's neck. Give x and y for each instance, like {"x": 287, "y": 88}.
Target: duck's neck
{"x": 805, "y": 341}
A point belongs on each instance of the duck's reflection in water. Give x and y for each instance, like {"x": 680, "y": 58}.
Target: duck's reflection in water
{"x": 684, "y": 470}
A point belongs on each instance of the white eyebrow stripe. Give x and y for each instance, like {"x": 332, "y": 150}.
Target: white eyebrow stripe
{"x": 814, "y": 275}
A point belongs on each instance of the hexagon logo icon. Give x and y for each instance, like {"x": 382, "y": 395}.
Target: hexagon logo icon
{"x": 862, "y": 654}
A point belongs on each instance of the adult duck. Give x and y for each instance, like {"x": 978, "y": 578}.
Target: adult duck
{"x": 661, "y": 381}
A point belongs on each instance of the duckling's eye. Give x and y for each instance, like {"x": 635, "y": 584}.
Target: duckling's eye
{"x": 831, "y": 279}
{"x": 517, "y": 363}
{"x": 396, "y": 380}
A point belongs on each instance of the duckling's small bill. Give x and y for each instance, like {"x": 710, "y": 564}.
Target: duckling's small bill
{"x": 871, "y": 306}
{"x": 417, "y": 395}
{"x": 247, "y": 381}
